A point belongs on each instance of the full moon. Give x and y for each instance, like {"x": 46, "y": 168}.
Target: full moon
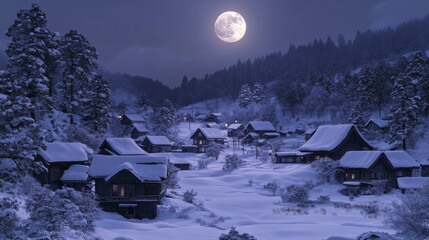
{"x": 230, "y": 26}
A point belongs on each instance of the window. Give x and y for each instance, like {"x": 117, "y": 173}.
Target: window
{"x": 316, "y": 157}
{"x": 118, "y": 190}
{"x": 200, "y": 142}
{"x": 353, "y": 176}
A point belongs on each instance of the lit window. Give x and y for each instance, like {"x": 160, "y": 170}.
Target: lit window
{"x": 353, "y": 176}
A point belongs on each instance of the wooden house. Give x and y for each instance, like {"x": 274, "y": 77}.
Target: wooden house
{"x": 259, "y": 127}
{"x": 214, "y": 117}
{"x": 58, "y": 158}
{"x": 120, "y": 146}
{"x": 377, "y": 125}
{"x": 203, "y": 136}
{"x": 129, "y": 185}
{"x": 378, "y": 166}
{"x": 270, "y": 135}
{"x": 153, "y": 144}
{"x": 235, "y": 130}
{"x": 251, "y": 138}
{"x": 77, "y": 177}
{"x": 291, "y": 157}
{"x": 138, "y": 130}
{"x": 129, "y": 118}
{"x": 333, "y": 141}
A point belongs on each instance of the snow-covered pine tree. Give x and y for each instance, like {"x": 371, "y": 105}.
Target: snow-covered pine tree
{"x": 245, "y": 97}
{"x": 163, "y": 117}
{"x": 418, "y": 69}
{"x": 404, "y": 110}
{"x": 356, "y": 117}
{"x": 258, "y": 93}
{"x": 99, "y": 109}
{"x": 20, "y": 135}
{"x": 32, "y": 56}
{"x": 365, "y": 88}
{"x": 78, "y": 63}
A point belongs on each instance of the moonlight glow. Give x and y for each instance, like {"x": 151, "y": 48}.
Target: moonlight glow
{"x": 230, "y": 26}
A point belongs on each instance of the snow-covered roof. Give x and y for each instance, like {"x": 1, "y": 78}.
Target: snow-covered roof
{"x": 217, "y": 114}
{"x": 328, "y": 137}
{"x": 401, "y": 159}
{"x": 234, "y": 126}
{"x": 252, "y": 134}
{"x": 261, "y": 126}
{"x": 211, "y": 125}
{"x": 284, "y": 154}
{"x": 125, "y": 146}
{"x": 379, "y": 122}
{"x": 365, "y": 159}
{"x": 65, "y": 152}
{"x": 140, "y": 127}
{"x": 134, "y": 117}
{"x": 359, "y": 159}
{"x": 424, "y": 163}
{"x": 412, "y": 182}
{"x": 158, "y": 140}
{"x": 76, "y": 172}
{"x": 211, "y": 133}
{"x": 271, "y": 134}
{"x": 146, "y": 168}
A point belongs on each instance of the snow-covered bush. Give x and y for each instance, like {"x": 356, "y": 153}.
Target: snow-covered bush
{"x": 213, "y": 150}
{"x": 232, "y": 162}
{"x": 376, "y": 235}
{"x": 235, "y": 235}
{"x": 273, "y": 187}
{"x": 377, "y": 188}
{"x": 295, "y": 193}
{"x": 324, "y": 199}
{"x": 410, "y": 217}
{"x": 203, "y": 163}
{"x": 9, "y": 221}
{"x": 189, "y": 196}
{"x": 326, "y": 169}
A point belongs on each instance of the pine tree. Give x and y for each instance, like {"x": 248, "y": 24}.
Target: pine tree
{"x": 245, "y": 96}
{"x": 404, "y": 109}
{"x": 356, "y": 117}
{"x": 418, "y": 69}
{"x": 258, "y": 93}
{"x": 78, "y": 63}
{"x": 163, "y": 117}
{"x": 32, "y": 57}
{"x": 365, "y": 88}
{"x": 99, "y": 108}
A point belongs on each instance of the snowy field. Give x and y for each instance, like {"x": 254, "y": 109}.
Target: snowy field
{"x": 239, "y": 199}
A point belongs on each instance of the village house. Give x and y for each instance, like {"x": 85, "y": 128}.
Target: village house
{"x": 153, "y": 144}
{"x": 129, "y": 118}
{"x": 214, "y": 117}
{"x": 333, "y": 141}
{"x": 378, "y": 166}
{"x": 377, "y": 125}
{"x": 120, "y": 146}
{"x": 132, "y": 186}
{"x": 291, "y": 157}
{"x": 65, "y": 164}
{"x": 138, "y": 130}
{"x": 202, "y": 137}
{"x": 251, "y": 138}
{"x": 235, "y": 130}
{"x": 259, "y": 127}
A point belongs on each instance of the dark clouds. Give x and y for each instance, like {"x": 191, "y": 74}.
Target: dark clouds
{"x": 166, "y": 39}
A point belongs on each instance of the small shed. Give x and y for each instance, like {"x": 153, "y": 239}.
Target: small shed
{"x": 120, "y": 146}
{"x": 202, "y": 137}
{"x": 259, "y": 127}
{"x": 270, "y": 135}
{"x": 235, "y": 130}
{"x": 153, "y": 144}
{"x": 291, "y": 157}
{"x": 377, "y": 125}
{"x": 130, "y": 118}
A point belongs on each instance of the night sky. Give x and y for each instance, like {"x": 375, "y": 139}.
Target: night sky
{"x": 166, "y": 40}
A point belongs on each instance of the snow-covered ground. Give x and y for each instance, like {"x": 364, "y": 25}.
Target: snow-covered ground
{"x": 239, "y": 199}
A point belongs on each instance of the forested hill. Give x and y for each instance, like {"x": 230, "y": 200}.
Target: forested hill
{"x": 300, "y": 64}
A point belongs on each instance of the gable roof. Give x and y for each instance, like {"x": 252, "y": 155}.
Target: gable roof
{"x": 252, "y": 134}
{"x": 65, "y": 152}
{"x": 76, "y": 172}
{"x": 329, "y": 137}
{"x": 145, "y": 168}
{"x": 365, "y": 159}
{"x": 125, "y": 146}
{"x": 134, "y": 117}
{"x": 379, "y": 122}
{"x": 234, "y": 126}
{"x": 216, "y": 114}
{"x": 261, "y": 126}
{"x": 140, "y": 127}
{"x": 158, "y": 140}
{"x": 210, "y": 133}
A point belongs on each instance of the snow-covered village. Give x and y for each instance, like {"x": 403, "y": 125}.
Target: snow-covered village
{"x": 229, "y": 120}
